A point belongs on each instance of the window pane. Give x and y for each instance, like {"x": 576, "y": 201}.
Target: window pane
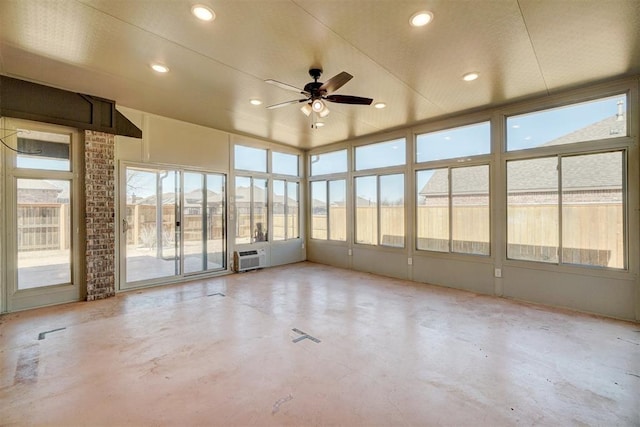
{"x": 251, "y": 159}
{"x": 587, "y": 121}
{"x": 383, "y": 154}
{"x": 151, "y": 224}
{"x": 285, "y": 164}
{"x": 293, "y": 210}
{"x": 366, "y": 210}
{"x": 243, "y": 209}
{"x": 432, "y": 217}
{"x": 338, "y": 210}
{"x": 279, "y": 205}
{"x": 216, "y": 233}
{"x": 392, "y": 210}
{"x": 193, "y": 223}
{"x": 462, "y": 141}
{"x": 470, "y": 210}
{"x": 532, "y": 209}
{"x": 592, "y": 210}
{"x": 43, "y": 150}
{"x": 43, "y": 232}
{"x": 326, "y": 163}
{"x": 319, "y": 210}
{"x": 260, "y": 210}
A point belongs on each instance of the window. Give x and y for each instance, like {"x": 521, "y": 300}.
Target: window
{"x": 380, "y": 210}
{"x": 284, "y": 164}
{"x": 338, "y": 210}
{"x": 458, "y": 142}
{"x": 44, "y": 233}
{"x": 251, "y": 210}
{"x": 380, "y": 155}
{"x": 453, "y": 210}
{"x": 588, "y": 121}
{"x": 250, "y": 159}
{"x": 328, "y": 163}
{"x": 43, "y": 150}
{"x": 567, "y": 209}
{"x": 319, "y": 218}
{"x": 285, "y": 210}
{"x": 329, "y": 217}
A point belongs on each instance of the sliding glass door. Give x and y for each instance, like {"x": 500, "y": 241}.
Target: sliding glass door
{"x": 173, "y": 225}
{"x": 203, "y": 222}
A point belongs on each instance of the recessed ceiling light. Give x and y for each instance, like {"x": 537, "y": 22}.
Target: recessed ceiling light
{"x": 159, "y": 68}
{"x": 379, "y": 105}
{"x": 255, "y": 102}
{"x": 420, "y": 19}
{"x": 203, "y": 13}
{"x": 470, "y": 76}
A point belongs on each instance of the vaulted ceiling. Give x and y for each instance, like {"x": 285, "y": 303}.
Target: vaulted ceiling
{"x": 520, "y": 48}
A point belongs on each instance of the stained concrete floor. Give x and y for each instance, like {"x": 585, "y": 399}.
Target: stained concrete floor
{"x": 223, "y": 351}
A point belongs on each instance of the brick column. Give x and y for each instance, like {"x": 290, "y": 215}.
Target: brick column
{"x": 100, "y": 214}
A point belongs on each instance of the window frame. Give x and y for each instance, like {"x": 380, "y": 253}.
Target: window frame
{"x": 559, "y": 157}
{"x": 396, "y": 170}
{"x": 627, "y": 143}
{"x": 448, "y": 166}
{"x": 285, "y": 207}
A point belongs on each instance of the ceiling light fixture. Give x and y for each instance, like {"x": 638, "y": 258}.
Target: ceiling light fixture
{"x": 380, "y": 105}
{"x": 255, "y": 101}
{"x": 318, "y": 124}
{"x": 159, "y": 68}
{"x": 470, "y": 76}
{"x": 306, "y": 109}
{"x": 317, "y": 105}
{"x": 420, "y": 19}
{"x": 203, "y": 13}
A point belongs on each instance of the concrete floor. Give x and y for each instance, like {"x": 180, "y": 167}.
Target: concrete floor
{"x": 223, "y": 351}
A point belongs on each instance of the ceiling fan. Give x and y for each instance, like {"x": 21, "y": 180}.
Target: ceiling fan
{"x": 316, "y": 93}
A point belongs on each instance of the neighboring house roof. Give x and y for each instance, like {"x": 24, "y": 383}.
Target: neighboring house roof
{"x": 38, "y": 191}
{"x": 583, "y": 172}
{"x": 37, "y": 184}
{"x": 606, "y": 128}
{"x": 192, "y": 198}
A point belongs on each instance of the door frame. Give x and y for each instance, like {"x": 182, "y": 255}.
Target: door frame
{"x": 121, "y": 264}
{"x": 14, "y": 299}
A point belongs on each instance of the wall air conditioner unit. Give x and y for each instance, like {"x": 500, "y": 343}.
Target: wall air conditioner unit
{"x": 249, "y": 260}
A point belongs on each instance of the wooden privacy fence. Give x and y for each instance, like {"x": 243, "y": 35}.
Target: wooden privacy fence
{"x": 592, "y": 234}
{"x": 42, "y": 227}
{"x": 142, "y": 225}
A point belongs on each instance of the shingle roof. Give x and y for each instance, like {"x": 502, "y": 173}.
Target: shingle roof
{"x": 584, "y": 172}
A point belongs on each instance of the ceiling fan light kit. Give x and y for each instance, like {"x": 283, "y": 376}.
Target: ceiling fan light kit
{"x": 316, "y": 93}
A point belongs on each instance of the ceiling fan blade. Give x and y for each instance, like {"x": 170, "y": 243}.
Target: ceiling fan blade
{"x": 284, "y": 104}
{"x": 285, "y": 86}
{"x": 346, "y": 99}
{"x": 335, "y": 82}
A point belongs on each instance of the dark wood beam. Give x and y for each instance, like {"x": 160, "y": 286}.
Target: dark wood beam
{"x": 31, "y": 101}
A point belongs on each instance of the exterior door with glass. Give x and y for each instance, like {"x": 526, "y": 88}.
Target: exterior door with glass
{"x": 42, "y": 223}
{"x": 173, "y": 225}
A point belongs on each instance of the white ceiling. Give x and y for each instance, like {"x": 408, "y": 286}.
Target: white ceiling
{"x": 521, "y": 48}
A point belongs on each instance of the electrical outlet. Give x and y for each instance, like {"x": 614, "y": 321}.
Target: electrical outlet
{"x": 350, "y": 252}
{"x": 498, "y": 272}
{"x": 409, "y": 261}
